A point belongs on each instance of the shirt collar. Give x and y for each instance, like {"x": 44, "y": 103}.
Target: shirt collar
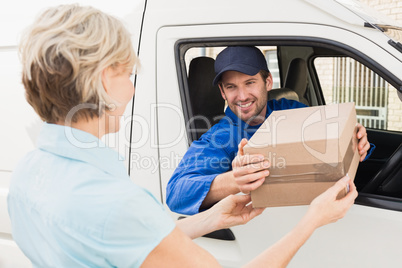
{"x": 82, "y": 146}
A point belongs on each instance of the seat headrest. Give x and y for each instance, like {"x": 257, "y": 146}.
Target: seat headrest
{"x": 279, "y": 93}
{"x": 207, "y": 104}
{"x": 205, "y": 98}
{"x": 296, "y": 78}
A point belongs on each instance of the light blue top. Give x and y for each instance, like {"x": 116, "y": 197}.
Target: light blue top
{"x": 72, "y": 204}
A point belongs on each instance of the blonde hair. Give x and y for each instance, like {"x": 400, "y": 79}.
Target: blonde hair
{"x": 63, "y": 55}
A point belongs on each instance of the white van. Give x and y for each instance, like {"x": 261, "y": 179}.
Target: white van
{"x": 344, "y": 52}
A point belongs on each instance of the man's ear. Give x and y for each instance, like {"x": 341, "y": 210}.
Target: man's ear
{"x": 269, "y": 82}
{"x": 222, "y": 92}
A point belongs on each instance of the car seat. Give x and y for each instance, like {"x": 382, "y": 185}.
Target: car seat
{"x": 295, "y": 85}
{"x": 207, "y": 104}
{"x": 280, "y": 93}
{"x": 296, "y": 78}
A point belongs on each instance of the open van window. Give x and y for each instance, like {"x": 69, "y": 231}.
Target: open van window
{"x": 335, "y": 74}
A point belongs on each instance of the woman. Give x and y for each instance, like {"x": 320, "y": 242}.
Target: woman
{"x": 71, "y": 202}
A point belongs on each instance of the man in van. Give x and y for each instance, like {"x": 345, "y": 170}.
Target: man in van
{"x": 214, "y": 166}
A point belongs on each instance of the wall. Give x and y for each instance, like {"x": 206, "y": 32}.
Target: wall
{"x": 392, "y": 9}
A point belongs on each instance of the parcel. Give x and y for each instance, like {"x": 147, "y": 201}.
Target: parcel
{"x": 309, "y": 150}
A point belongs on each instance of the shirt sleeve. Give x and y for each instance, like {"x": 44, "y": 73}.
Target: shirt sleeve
{"x": 205, "y": 159}
{"x": 284, "y": 104}
{"x": 136, "y": 225}
{"x": 370, "y": 151}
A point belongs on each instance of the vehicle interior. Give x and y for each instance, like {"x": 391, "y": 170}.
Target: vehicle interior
{"x": 314, "y": 73}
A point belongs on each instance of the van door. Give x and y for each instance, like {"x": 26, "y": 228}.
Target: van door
{"x": 365, "y": 237}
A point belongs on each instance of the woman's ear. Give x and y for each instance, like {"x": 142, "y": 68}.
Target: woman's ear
{"x": 105, "y": 78}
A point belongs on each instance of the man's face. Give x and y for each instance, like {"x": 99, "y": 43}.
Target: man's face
{"x": 246, "y": 95}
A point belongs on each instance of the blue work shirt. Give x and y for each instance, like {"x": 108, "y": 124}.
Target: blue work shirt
{"x": 210, "y": 156}
{"x": 72, "y": 204}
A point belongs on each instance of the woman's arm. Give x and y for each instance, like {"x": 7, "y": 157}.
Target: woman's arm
{"x": 177, "y": 249}
{"x": 323, "y": 210}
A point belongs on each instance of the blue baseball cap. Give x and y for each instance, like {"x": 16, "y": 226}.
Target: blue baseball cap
{"x": 245, "y": 59}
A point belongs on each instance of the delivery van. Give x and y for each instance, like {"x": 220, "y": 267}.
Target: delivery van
{"x": 319, "y": 52}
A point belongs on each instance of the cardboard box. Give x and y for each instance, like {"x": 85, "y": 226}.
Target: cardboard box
{"x": 309, "y": 150}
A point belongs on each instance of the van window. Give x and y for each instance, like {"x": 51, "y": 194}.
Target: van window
{"x": 335, "y": 74}
{"x": 344, "y": 79}
{"x": 272, "y": 61}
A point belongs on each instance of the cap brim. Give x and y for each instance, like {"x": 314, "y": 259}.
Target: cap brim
{"x": 242, "y": 68}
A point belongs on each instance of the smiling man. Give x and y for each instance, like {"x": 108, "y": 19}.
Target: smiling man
{"x": 215, "y": 166}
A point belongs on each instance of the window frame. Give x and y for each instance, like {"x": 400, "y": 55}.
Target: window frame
{"x": 183, "y": 45}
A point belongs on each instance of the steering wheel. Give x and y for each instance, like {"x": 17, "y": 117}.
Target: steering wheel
{"x": 388, "y": 179}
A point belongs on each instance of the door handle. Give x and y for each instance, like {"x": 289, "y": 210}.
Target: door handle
{"x": 222, "y": 234}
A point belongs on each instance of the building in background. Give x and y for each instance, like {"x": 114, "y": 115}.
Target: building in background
{"x": 392, "y": 9}
{"x": 348, "y": 80}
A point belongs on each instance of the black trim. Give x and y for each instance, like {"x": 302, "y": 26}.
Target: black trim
{"x": 183, "y": 88}
{"x": 396, "y": 45}
{"x": 135, "y": 83}
{"x": 316, "y": 82}
{"x": 378, "y": 201}
{"x": 223, "y": 234}
{"x": 374, "y": 26}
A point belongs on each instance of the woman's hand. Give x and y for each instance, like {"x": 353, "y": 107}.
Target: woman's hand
{"x": 230, "y": 211}
{"x": 233, "y": 210}
{"x": 326, "y": 208}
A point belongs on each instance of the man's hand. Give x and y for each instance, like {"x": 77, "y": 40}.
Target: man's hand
{"x": 233, "y": 210}
{"x": 249, "y": 171}
{"x": 363, "y": 145}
